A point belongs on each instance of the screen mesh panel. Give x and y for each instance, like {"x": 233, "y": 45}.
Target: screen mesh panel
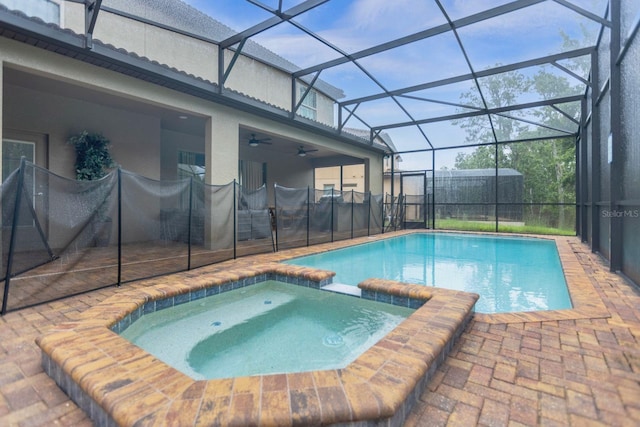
{"x": 630, "y": 129}
{"x": 63, "y": 237}
{"x": 212, "y": 223}
{"x": 254, "y": 229}
{"x": 155, "y": 225}
{"x": 306, "y": 216}
{"x": 56, "y": 235}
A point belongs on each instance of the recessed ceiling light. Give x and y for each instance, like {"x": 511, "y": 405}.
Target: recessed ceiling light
{"x": 183, "y": 117}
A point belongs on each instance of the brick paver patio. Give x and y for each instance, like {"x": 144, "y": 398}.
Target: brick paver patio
{"x": 503, "y": 372}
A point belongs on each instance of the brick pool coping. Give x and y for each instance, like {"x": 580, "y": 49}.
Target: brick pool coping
{"x": 117, "y": 383}
{"x": 586, "y": 301}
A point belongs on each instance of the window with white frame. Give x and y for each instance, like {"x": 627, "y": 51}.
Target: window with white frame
{"x": 191, "y": 165}
{"x": 47, "y": 10}
{"x": 309, "y": 106}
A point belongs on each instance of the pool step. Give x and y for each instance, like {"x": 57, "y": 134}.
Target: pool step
{"x": 341, "y": 288}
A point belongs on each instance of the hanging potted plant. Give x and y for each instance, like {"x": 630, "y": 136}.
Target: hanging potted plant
{"x": 94, "y": 161}
{"x": 93, "y": 158}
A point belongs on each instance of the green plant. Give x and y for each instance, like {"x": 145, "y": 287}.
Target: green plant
{"x": 93, "y": 158}
{"x": 456, "y": 224}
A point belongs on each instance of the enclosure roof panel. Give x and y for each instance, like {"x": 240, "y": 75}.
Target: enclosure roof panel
{"x": 430, "y": 73}
{"x": 411, "y": 65}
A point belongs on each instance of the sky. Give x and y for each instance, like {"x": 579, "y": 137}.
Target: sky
{"x": 354, "y": 25}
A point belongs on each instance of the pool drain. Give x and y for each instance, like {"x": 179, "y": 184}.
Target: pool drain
{"x": 216, "y": 323}
{"x": 333, "y": 340}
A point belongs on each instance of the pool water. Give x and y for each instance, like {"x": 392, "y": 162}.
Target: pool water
{"x": 510, "y": 274}
{"x": 269, "y": 327}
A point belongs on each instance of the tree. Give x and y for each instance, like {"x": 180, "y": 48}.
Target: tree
{"x": 548, "y": 166}
{"x": 499, "y": 91}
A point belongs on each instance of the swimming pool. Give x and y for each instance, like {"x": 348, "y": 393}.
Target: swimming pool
{"x": 246, "y": 331}
{"x": 511, "y": 274}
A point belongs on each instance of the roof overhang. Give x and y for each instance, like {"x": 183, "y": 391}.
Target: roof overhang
{"x": 34, "y": 32}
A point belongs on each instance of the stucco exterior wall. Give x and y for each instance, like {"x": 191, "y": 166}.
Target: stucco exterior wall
{"x": 133, "y": 136}
{"x": 253, "y": 78}
{"x": 325, "y": 110}
{"x": 197, "y": 57}
{"x": 176, "y": 50}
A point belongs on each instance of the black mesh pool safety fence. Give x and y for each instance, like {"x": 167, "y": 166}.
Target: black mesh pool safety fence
{"x": 63, "y": 237}
{"x": 305, "y": 216}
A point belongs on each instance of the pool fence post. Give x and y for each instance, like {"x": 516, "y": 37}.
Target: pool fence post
{"x": 332, "y": 214}
{"x": 404, "y": 212}
{"x": 275, "y": 211}
{"x": 369, "y": 214}
{"x": 14, "y": 227}
{"x": 433, "y": 190}
{"x": 308, "y": 210}
{"x": 235, "y": 212}
{"x": 384, "y": 202}
{"x": 496, "y": 188}
{"x": 352, "y": 213}
{"x": 189, "y": 219}
{"x": 424, "y": 198}
{"x": 119, "y": 226}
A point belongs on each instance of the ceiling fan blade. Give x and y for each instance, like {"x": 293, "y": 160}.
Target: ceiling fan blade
{"x": 254, "y": 142}
{"x": 302, "y": 152}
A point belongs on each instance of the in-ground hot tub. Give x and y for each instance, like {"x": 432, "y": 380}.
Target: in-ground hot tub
{"x": 118, "y": 383}
{"x": 267, "y": 328}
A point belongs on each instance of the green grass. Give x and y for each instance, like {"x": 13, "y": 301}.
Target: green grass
{"x": 456, "y": 224}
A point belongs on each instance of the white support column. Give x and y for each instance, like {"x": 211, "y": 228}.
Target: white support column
{"x": 374, "y": 174}
{"x": 221, "y": 149}
{"x": 221, "y": 168}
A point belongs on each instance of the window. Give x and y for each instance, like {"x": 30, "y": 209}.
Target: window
{"x": 308, "y": 108}
{"x": 328, "y": 189}
{"x": 253, "y": 175}
{"x": 47, "y": 10}
{"x": 12, "y": 153}
{"x": 190, "y": 165}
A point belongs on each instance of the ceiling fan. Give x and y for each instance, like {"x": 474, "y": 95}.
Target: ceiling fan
{"x": 254, "y": 142}
{"x": 302, "y": 152}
